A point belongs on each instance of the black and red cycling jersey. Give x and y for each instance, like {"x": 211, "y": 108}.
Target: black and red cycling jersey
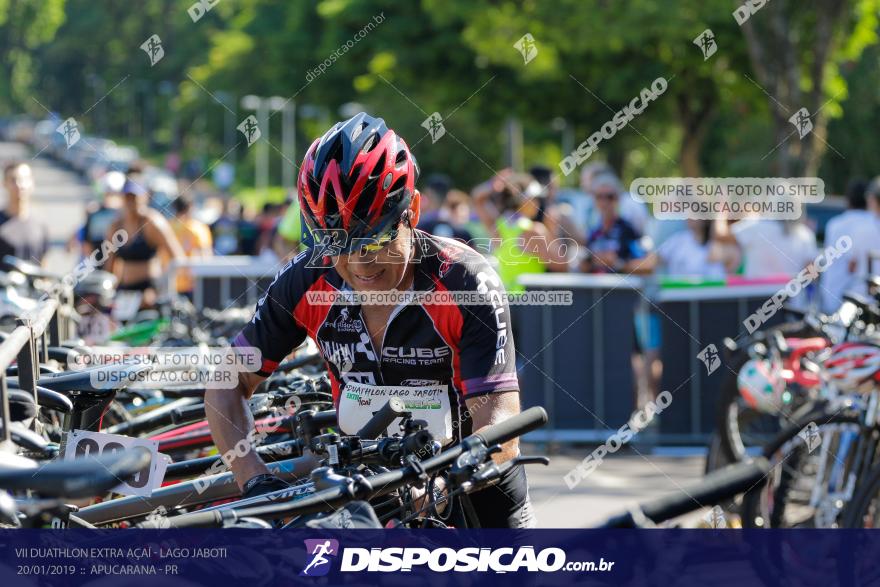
{"x": 469, "y": 347}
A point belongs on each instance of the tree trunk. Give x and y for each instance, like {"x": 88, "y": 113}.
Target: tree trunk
{"x": 772, "y": 40}
{"x": 694, "y": 113}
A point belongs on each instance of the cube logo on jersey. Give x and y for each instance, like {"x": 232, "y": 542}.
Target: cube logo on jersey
{"x": 320, "y": 551}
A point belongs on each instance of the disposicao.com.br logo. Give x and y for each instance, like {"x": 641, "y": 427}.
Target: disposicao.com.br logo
{"x": 319, "y": 551}
{"x": 445, "y": 559}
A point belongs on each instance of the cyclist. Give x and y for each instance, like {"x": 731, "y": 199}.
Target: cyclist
{"x": 357, "y": 189}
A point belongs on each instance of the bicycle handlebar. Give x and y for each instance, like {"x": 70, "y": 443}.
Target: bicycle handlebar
{"x": 716, "y": 487}
{"x": 361, "y": 488}
{"x": 393, "y": 409}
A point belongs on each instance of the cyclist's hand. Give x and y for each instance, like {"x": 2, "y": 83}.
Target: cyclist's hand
{"x": 262, "y": 484}
{"x": 421, "y": 499}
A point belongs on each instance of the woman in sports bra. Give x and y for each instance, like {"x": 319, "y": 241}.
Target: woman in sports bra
{"x": 135, "y": 263}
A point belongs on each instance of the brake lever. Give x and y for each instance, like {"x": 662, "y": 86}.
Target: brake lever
{"x": 492, "y": 470}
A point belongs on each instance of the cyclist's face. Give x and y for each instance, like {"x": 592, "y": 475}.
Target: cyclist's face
{"x": 383, "y": 266}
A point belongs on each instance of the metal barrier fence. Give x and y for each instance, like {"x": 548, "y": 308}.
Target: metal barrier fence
{"x": 220, "y": 282}
{"x": 26, "y": 346}
{"x": 575, "y": 361}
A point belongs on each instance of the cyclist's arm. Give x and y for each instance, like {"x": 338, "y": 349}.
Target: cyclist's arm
{"x": 492, "y": 409}
{"x": 487, "y": 359}
{"x": 270, "y": 335}
{"x": 230, "y": 421}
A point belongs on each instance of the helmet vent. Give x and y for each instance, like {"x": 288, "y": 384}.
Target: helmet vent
{"x": 380, "y": 166}
{"x": 358, "y": 129}
{"x": 369, "y": 143}
{"x": 399, "y": 184}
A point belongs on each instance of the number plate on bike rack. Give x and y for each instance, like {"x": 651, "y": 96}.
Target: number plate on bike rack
{"x": 83, "y": 443}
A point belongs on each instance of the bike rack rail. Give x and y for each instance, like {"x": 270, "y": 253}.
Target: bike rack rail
{"x": 27, "y": 345}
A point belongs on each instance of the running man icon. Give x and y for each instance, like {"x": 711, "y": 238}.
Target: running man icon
{"x": 319, "y": 549}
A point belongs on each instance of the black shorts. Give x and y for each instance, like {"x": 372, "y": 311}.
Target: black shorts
{"x": 142, "y": 285}
{"x": 503, "y": 505}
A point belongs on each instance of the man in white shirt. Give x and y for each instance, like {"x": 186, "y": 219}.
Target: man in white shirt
{"x": 865, "y": 234}
{"x": 840, "y": 276}
{"x": 776, "y": 248}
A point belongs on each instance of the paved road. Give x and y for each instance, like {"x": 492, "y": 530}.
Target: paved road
{"x": 59, "y": 201}
{"x": 622, "y": 480}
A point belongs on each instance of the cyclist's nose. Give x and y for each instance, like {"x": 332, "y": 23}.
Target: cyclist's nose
{"x": 362, "y": 258}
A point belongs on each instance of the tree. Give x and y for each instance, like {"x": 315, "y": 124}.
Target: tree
{"x": 25, "y": 25}
{"x": 796, "y": 55}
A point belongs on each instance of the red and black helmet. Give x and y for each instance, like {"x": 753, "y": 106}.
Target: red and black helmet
{"x": 359, "y": 177}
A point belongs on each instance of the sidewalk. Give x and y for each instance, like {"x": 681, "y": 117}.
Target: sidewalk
{"x": 622, "y": 480}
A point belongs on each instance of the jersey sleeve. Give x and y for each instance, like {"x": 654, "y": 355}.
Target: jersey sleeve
{"x": 273, "y": 330}
{"x": 487, "y": 355}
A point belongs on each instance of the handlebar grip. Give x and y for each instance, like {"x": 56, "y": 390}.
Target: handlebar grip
{"x": 325, "y": 419}
{"x": 53, "y": 400}
{"x": 524, "y": 422}
{"x": 716, "y": 487}
{"x": 213, "y": 518}
{"x": 392, "y": 410}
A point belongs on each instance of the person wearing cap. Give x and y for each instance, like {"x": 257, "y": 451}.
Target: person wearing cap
{"x": 508, "y": 205}
{"x": 634, "y": 212}
{"x": 615, "y": 246}
{"x": 147, "y": 233}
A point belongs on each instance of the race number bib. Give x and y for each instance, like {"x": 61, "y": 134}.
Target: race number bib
{"x": 359, "y": 401}
{"x": 83, "y": 443}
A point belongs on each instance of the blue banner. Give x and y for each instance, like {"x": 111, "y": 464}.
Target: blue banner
{"x": 256, "y": 558}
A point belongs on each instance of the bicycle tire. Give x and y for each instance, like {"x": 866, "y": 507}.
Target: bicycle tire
{"x": 752, "y": 514}
{"x": 865, "y": 492}
{"x": 729, "y": 393}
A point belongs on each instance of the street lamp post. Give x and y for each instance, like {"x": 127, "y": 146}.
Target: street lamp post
{"x": 262, "y": 106}
{"x": 563, "y": 126}
{"x": 228, "y": 101}
{"x": 288, "y": 144}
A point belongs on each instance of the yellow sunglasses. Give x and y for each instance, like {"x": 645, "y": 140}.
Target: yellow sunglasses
{"x": 380, "y": 242}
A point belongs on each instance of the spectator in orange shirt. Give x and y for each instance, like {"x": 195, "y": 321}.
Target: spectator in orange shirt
{"x": 195, "y": 239}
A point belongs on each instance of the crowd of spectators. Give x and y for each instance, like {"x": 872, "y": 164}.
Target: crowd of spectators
{"x": 524, "y": 222}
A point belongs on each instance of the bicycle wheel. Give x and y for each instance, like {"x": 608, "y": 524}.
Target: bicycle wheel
{"x": 740, "y": 427}
{"x": 863, "y": 510}
{"x": 804, "y": 486}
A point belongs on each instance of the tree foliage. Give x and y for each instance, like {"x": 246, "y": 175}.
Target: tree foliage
{"x": 407, "y": 60}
